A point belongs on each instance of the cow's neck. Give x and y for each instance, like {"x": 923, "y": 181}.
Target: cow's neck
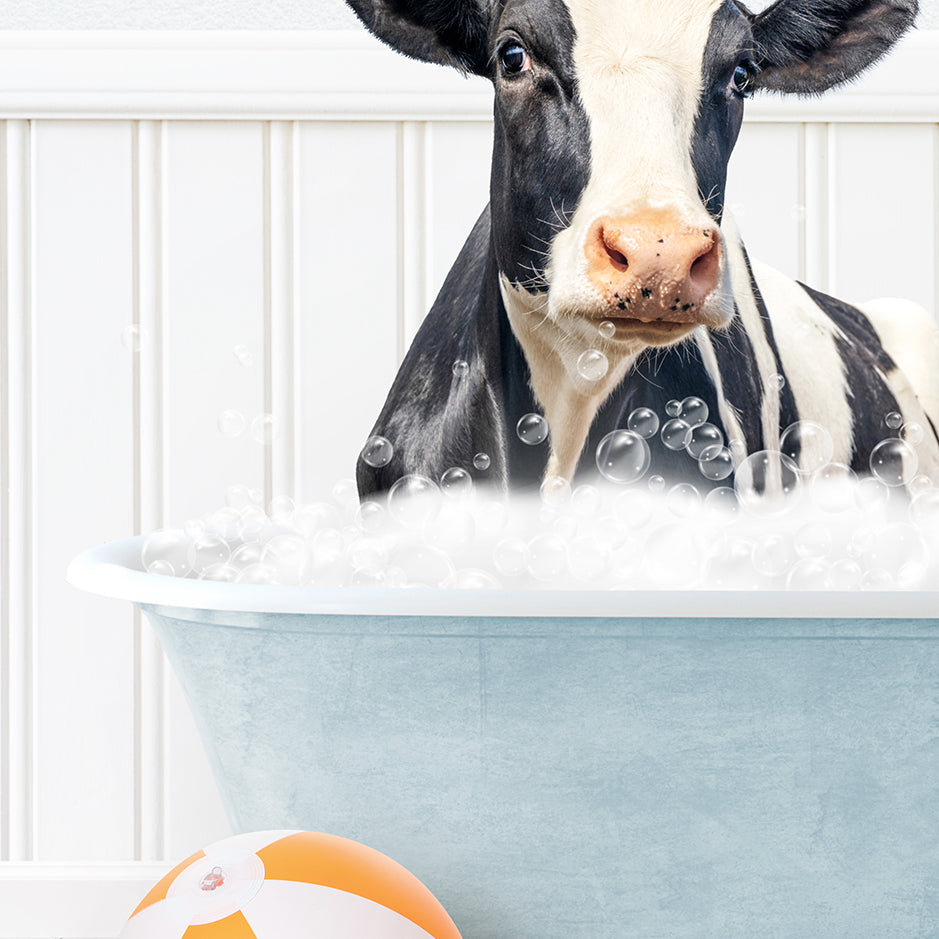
{"x": 569, "y": 401}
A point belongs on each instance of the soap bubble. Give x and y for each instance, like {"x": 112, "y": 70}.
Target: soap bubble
{"x": 777, "y": 380}
{"x": 456, "y": 482}
{"x": 481, "y": 461}
{"x": 368, "y": 556}
{"x": 716, "y": 463}
{"x": 832, "y": 487}
{"x": 808, "y": 574}
{"x": 813, "y": 540}
{"x": 345, "y": 494}
{"x": 672, "y": 559}
{"x": 471, "y": 579}
{"x": 287, "y": 556}
{"x": 413, "y": 500}
{"x": 314, "y": 516}
{"x": 587, "y": 559}
{"x": 773, "y": 554}
{"x": 676, "y": 434}
{"x": 265, "y": 429}
{"x": 220, "y": 573}
{"x": 532, "y": 429}
{"x": 258, "y": 574}
{"x": 673, "y": 407}
{"x": 924, "y": 509}
{"x": 282, "y": 510}
{"x": 704, "y": 436}
{"x": 246, "y": 555}
{"x": 243, "y": 354}
{"x": 207, "y": 551}
{"x": 238, "y": 496}
{"x": 870, "y": 494}
{"x": 808, "y": 445}
{"x": 132, "y": 338}
{"x": 231, "y": 423}
{"x": 252, "y": 523}
{"x": 893, "y": 461}
{"x": 912, "y": 433}
{"x": 510, "y": 556}
{"x": 166, "y": 552}
{"x": 894, "y": 420}
{"x": 766, "y": 482}
{"x": 377, "y": 451}
{"x": 547, "y": 557}
{"x": 634, "y": 507}
{"x": 452, "y": 530}
{"x": 371, "y": 517}
{"x": 623, "y": 457}
{"x": 607, "y": 329}
{"x": 656, "y": 483}
{"x": 460, "y": 369}
{"x": 722, "y": 500}
{"x": 643, "y": 421}
{"x": 592, "y": 365}
{"x": 683, "y": 500}
{"x": 844, "y": 574}
{"x": 586, "y": 501}
{"x": 895, "y": 548}
{"x": 555, "y": 490}
{"x": 693, "y": 411}
{"x": 918, "y": 484}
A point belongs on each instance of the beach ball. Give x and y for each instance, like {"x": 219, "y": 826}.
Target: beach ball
{"x": 288, "y": 885}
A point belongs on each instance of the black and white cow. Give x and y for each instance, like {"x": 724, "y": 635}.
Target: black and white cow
{"x": 614, "y": 123}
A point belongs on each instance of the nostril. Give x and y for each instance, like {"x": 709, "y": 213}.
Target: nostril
{"x": 705, "y": 269}
{"x": 617, "y": 258}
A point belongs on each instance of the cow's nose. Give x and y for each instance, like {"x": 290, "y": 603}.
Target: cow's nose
{"x": 653, "y": 266}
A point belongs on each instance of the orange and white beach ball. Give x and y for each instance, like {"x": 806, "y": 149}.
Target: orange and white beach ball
{"x": 287, "y": 885}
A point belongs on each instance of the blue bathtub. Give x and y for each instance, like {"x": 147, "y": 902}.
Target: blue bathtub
{"x": 565, "y": 765}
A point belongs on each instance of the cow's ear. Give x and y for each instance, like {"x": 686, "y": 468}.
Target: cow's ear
{"x": 448, "y": 32}
{"x": 808, "y": 46}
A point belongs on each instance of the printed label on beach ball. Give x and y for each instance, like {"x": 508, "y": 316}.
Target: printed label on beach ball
{"x": 288, "y": 885}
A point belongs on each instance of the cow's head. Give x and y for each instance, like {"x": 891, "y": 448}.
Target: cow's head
{"x": 614, "y": 123}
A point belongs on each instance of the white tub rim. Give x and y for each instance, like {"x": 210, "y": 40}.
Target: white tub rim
{"x": 113, "y": 570}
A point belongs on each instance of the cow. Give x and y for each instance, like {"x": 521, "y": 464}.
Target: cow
{"x": 606, "y": 235}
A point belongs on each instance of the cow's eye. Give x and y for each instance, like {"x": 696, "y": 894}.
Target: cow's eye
{"x": 742, "y": 79}
{"x": 514, "y": 58}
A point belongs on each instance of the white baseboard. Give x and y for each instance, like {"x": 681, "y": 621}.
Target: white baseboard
{"x": 71, "y": 901}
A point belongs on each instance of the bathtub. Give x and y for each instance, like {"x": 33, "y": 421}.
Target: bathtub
{"x": 565, "y": 765}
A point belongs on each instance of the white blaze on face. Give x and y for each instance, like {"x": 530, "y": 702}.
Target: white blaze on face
{"x": 639, "y": 71}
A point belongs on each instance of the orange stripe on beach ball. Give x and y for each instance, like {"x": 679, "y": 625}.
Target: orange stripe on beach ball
{"x": 159, "y": 891}
{"x": 330, "y": 861}
{"x": 232, "y": 927}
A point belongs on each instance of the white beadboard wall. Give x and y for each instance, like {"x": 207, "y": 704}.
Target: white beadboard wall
{"x": 198, "y": 222}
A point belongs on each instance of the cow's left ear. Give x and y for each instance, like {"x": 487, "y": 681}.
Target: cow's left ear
{"x": 448, "y": 32}
{"x": 808, "y": 46}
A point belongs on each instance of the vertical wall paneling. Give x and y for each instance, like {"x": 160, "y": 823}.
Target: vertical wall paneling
{"x": 16, "y": 601}
{"x": 214, "y": 356}
{"x": 149, "y": 476}
{"x": 279, "y": 291}
{"x": 884, "y": 223}
{"x": 347, "y": 323}
{"x": 816, "y": 252}
{"x": 764, "y": 193}
{"x": 4, "y": 501}
{"x": 412, "y": 192}
{"x": 459, "y": 156}
{"x": 83, "y": 443}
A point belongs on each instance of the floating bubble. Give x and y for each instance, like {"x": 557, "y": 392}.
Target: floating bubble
{"x": 778, "y": 380}
{"x": 672, "y": 559}
{"x": 252, "y": 523}
{"x": 282, "y": 509}
{"x": 265, "y": 429}
{"x": 587, "y": 559}
{"x": 693, "y": 411}
{"x": 766, "y": 483}
{"x": 924, "y": 509}
{"x": 510, "y": 556}
{"x": 673, "y": 407}
{"x": 231, "y": 423}
{"x": 912, "y": 433}
{"x": 870, "y": 494}
{"x": 547, "y": 557}
{"x": 683, "y": 500}
{"x": 876, "y": 580}
{"x": 813, "y": 540}
{"x": 377, "y": 451}
{"x": 894, "y": 420}
{"x": 635, "y": 507}
{"x": 738, "y": 448}
{"x": 675, "y": 434}
{"x": 243, "y": 354}
{"x": 482, "y": 462}
{"x": 471, "y": 579}
{"x": 893, "y": 548}
{"x": 592, "y": 365}
{"x": 893, "y": 462}
{"x": 258, "y": 574}
{"x": 220, "y": 573}
{"x": 716, "y": 463}
{"x": 607, "y": 329}
{"x": 460, "y": 369}
{"x": 371, "y": 517}
{"x": 132, "y": 338}
{"x": 238, "y": 496}
{"x": 722, "y": 500}
{"x": 773, "y": 554}
{"x": 832, "y": 487}
{"x": 452, "y": 530}
{"x": 368, "y": 556}
{"x": 532, "y": 429}
{"x": 704, "y": 437}
{"x": 315, "y": 516}
{"x": 456, "y": 482}
{"x": 287, "y": 556}
{"x": 245, "y": 555}
{"x": 643, "y": 421}
{"x": 586, "y": 501}
{"x": 207, "y": 551}
{"x": 345, "y": 494}
{"x": 656, "y": 483}
{"x": 918, "y": 484}
{"x": 808, "y": 445}
{"x": 413, "y": 500}
{"x": 167, "y": 550}
{"x": 808, "y": 574}
{"x": 555, "y": 490}
{"x": 623, "y": 457}
{"x": 844, "y": 574}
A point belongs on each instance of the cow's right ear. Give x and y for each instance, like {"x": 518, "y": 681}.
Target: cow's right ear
{"x": 448, "y": 32}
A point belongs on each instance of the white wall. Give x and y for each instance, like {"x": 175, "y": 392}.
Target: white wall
{"x": 209, "y": 190}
